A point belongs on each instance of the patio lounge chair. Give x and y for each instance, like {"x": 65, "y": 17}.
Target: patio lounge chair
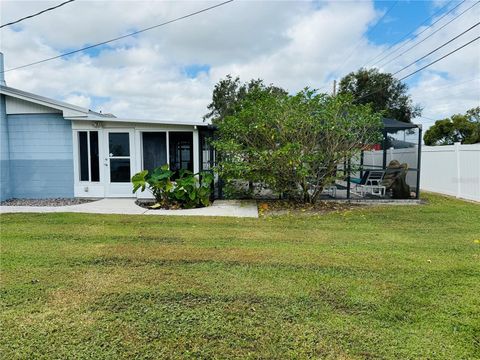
{"x": 395, "y": 180}
{"x": 370, "y": 183}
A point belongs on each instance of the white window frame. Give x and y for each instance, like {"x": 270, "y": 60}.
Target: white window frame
{"x": 79, "y": 162}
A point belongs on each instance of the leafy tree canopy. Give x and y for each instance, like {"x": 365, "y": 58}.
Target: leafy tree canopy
{"x": 293, "y": 144}
{"x": 383, "y": 91}
{"x": 228, "y": 94}
{"x": 458, "y": 128}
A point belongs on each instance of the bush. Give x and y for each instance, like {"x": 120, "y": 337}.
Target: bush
{"x": 293, "y": 144}
{"x": 188, "y": 190}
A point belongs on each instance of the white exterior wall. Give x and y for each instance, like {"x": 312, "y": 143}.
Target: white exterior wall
{"x": 19, "y": 106}
{"x": 98, "y": 189}
{"x": 452, "y": 170}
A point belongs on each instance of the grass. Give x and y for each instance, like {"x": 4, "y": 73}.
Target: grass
{"x": 398, "y": 282}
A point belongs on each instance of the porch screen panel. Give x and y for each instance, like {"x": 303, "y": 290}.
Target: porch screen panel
{"x": 206, "y": 154}
{"x": 83, "y": 152}
{"x": 181, "y": 150}
{"x": 154, "y": 150}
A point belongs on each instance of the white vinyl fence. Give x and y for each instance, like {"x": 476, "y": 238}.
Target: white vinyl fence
{"x": 452, "y": 170}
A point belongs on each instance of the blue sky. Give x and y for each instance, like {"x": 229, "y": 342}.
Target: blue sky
{"x": 404, "y": 17}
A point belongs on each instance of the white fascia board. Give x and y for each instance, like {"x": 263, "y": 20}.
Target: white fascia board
{"x": 141, "y": 121}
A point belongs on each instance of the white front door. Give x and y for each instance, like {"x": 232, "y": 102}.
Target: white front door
{"x": 118, "y": 162}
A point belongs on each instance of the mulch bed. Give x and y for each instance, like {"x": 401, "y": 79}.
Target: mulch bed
{"x": 44, "y": 202}
{"x": 146, "y": 204}
{"x": 285, "y": 207}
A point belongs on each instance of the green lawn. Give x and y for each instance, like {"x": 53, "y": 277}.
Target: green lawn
{"x": 398, "y": 282}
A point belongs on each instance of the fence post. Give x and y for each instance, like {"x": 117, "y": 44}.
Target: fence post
{"x": 419, "y": 160}
{"x": 456, "y": 148}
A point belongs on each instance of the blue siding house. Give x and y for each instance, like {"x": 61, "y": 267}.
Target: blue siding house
{"x": 51, "y": 149}
{"x": 40, "y": 151}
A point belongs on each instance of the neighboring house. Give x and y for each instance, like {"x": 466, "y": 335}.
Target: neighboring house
{"x": 52, "y": 149}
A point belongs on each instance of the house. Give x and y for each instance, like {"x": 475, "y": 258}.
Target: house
{"x": 51, "y": 149}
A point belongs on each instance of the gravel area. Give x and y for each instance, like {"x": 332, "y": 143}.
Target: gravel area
{"x": 44, "y": 202}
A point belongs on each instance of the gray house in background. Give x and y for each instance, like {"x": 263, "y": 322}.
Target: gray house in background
{"x": 51, "y": 149}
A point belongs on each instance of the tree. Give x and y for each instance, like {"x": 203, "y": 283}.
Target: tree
{"x": 227, "y": 97}
{"x": 458, "y": 128}
{"x": 228, "y": 94}
{"x": 383, "y": 91}
{"x": 293, "y": 144}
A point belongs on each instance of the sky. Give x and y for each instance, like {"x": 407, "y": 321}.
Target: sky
{"x": 169, "y": 73}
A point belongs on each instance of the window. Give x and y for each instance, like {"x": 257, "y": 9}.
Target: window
{"x": 120, "y": 170}
{"x": 94, "y": 157}
{"x": 119, "y": 144}
{"x": 119, "y": 155}
{"x": 88, "y": 156}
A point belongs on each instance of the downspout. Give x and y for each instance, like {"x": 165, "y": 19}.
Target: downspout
{"x": 2, "y": 71}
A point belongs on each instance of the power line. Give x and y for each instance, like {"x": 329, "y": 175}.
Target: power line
{"x": 420, "y": 33}
{"x": 452, "y": 85}
{"x": 457, "y": 83}
{"x": 39, "y": 13}
{"x": 441, "y": 58}
{"x": 121, "y": 37}
{"x": 408, "y": 34}
{"x": 438, "y": 48}
{"x": 429, "y": 36}
{"x": 422, "y": 68}
{"x": 358, "y": 43}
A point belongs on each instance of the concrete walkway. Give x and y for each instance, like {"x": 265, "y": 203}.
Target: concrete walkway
{"x": 234, "y": 208}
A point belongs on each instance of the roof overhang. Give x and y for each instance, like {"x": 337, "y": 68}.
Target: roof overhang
{"x": 73, "y": 112}
{"x": 68, "y": 110}
{"x": 140, "y": 121}
{"x": 395, "y": 125}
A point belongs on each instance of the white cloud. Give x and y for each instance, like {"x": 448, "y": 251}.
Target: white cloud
{"x": 292, "y": 44}
{"x": 79, "y": 100}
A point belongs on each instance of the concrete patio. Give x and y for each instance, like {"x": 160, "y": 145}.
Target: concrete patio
{"x": 232, "y": 208}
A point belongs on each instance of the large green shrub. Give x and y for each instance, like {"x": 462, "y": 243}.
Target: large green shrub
{"x": 188, "y": 190}
{"x": 293, "y": 144}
